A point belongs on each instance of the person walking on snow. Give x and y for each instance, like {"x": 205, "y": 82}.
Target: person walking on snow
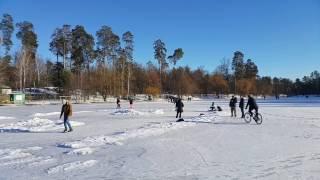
{"x": 241, "y": 106}
{"x": 179, "y": 107}
{"x": 118, "y": 102}
{"x": 130, "y": 102}
{"x": 232, "y": 104}
{"x": 252, "y": 105}
{"x": 67, "y": 112}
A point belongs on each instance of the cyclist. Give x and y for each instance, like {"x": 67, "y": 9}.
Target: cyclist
{"x": 252, "y": 105}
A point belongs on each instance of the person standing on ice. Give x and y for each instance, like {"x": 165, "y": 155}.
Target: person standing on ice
{"x": 241, "y": 106}
{"x": 252, "y": 105}
{"x": 212, "y": 108}
{"x": 179, "y": 107}
{"x": 130, "y": 102}
{"x": 232, "y": 105}
{"x": 118, "y": 102}
{"x": 67, "y": 112}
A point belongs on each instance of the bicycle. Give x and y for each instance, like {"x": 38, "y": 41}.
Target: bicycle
{"x": 254, "y": 116}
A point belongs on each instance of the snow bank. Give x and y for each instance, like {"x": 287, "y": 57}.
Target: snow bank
{"x": 131, "y": 112}
{"x": 6, "y": 118}
{"x": 205, "y": 118}
{"x": 42, "y": 102}
{"x": 158, "y": 111}
{"x": 145, "y": 131}
{"x": 46, "y": 114}
{"x": 58, "y": 113}
{"x": 35, "y": 125}
{"x": 23, "y": 157}
{"x": 117, "y": 139}
{"x": 72, "y": 166}
{"x": 81, "y": 151}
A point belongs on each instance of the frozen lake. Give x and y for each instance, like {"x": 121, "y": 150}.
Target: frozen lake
{"x": 146, "y": 142}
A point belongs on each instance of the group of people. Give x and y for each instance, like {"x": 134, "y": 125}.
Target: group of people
{"x": 66, "y": 110}
{"x": 252, "y": 104}
{"x": 130, "y": 103}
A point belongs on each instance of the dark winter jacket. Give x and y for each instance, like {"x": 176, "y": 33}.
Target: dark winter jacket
{"x": 66, "y": 110}
{"x": 241, "y": 104}
{"x": 179, "y": 106}
{"x": 252, "y": 103}
{"x": 233, "y": 102}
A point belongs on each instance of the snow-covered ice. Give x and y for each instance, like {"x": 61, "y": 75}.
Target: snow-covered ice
{"x": 126, "y": 112}
{"x": 81, "y": 151}
{"x": 35, "y": 125}
{"x": 22, "y": 157}
{"x": 4, "y": 117}
{"x": 72, "y": 166}
{"x": 118, "y": 138}
{"x": 146, "y": 142}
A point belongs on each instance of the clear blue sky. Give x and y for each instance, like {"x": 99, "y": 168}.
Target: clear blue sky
{"x": 281, "y": 36}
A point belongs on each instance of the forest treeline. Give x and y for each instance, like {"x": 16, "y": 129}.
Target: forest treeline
{"x": 104, "y": 63}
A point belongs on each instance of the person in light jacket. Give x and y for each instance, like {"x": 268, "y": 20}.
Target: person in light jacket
{"x": 67, "y": 112}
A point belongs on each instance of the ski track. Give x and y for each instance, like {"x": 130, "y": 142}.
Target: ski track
{"x": 77, "y": 165}
{"x": 23, "y": 157}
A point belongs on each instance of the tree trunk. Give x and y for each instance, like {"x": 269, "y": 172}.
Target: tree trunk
{"x": 128, "y": 83}
{"x": 160, "y": 68}
{"x": 20, "y": 70}
{"x": 38, "y": 71}
{"x": 64, "y": 55}
{"x": 122, "y": 79}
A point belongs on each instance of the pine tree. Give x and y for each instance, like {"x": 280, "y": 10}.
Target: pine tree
{"x": 28, "y": 54}
{"x": 60, "y": 44}
{"x": 160, "y": 55}
{"x": 7, "y": 28}
{"x": 127, "y": 38}
{"x": 251, "y": 69}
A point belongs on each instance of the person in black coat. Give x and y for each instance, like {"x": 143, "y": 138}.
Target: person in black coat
{"x": 241, "y": 106}
{"x": 232, "y": 105}
{"x": 131, "y": 102}
{"x": 118, "y": 102}
{"x": 179, "y": 107}
{"x": 252, "y": 105}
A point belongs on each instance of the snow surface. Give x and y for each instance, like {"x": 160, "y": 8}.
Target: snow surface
{"x": 35, "y": 125}
{"x": 4, "y": 117}
{"x": 146, "y": 143}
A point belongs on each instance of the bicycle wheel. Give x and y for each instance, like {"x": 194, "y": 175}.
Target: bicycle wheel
{"x": 247, "y": 117}
{"x": 259, "y": 119}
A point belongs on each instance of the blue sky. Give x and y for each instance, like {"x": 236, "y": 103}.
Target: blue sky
{"x": 281, "y": 36}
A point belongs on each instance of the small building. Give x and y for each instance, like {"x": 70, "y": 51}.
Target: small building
{"x": 17, "y": 98}
{"x": 5, "y": 90}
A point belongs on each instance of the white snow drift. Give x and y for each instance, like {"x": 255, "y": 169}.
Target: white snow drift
{"x": 36, "y": 125}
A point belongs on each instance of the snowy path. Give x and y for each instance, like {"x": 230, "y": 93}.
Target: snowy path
{"x": 147, "y": 143}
